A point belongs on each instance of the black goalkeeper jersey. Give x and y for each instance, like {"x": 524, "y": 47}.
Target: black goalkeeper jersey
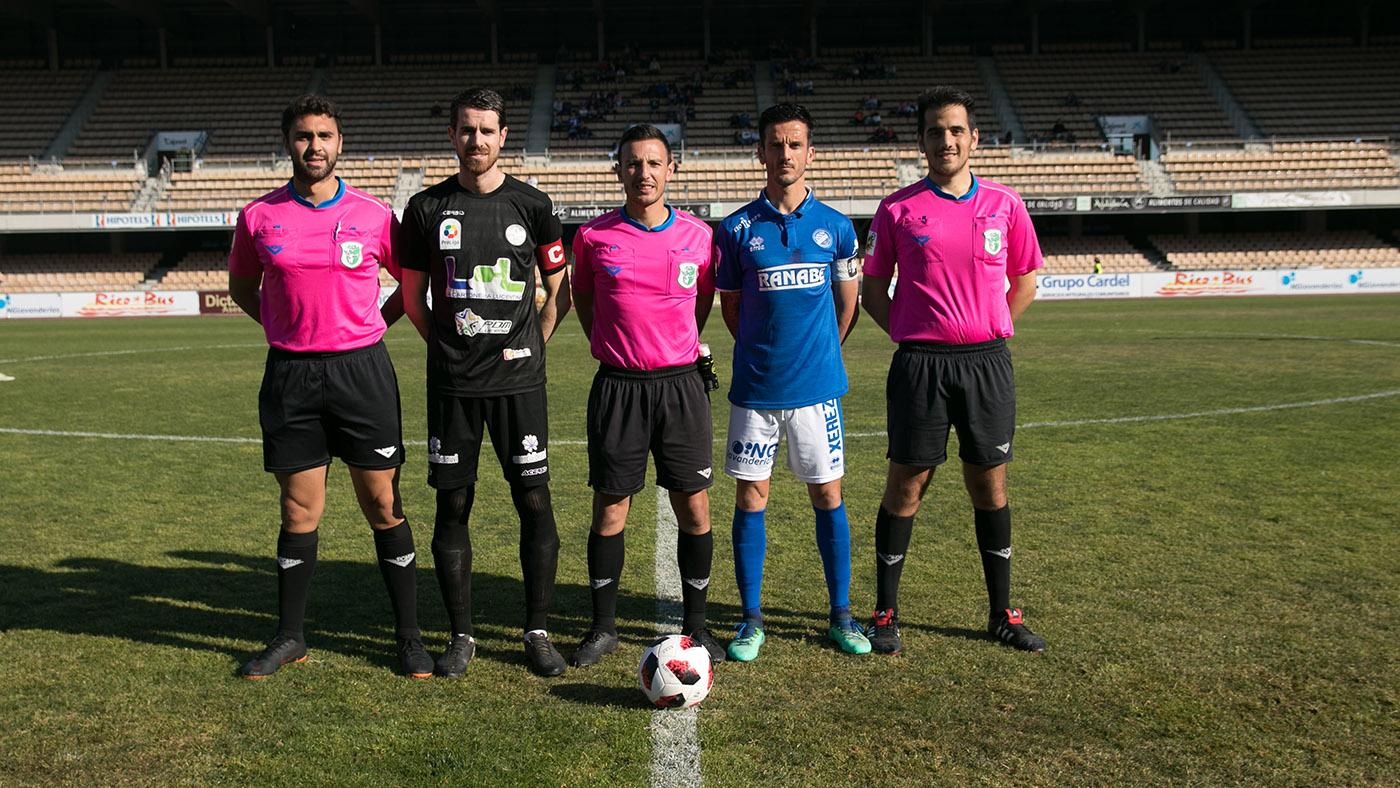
{"x": 481, "y": 252}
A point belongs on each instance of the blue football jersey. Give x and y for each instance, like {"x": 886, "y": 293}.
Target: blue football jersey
{"x": 788, "y": 354}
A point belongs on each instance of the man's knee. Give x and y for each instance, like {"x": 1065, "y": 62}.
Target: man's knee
{"x": 455, "y": 506}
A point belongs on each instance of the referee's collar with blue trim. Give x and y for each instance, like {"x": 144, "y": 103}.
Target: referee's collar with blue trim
{"x": 945, "y": 195}
{"x": 670, "y": 220}
{"x": 796, "y": 213}
{"x": 339, "y": 192}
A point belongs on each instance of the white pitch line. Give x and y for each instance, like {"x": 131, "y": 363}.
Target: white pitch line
{"x": 675, "y": 742}
{"x": 570, "y": 442}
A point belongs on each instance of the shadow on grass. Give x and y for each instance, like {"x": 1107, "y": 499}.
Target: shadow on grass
{"x": 600, "y": 695}
{"x": 221, "y": 596}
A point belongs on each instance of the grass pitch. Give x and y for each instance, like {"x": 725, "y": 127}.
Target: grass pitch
{"x": 1219, "y": 591}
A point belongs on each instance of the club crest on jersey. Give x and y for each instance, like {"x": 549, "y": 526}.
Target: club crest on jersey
{"x": 450, "y": 234}
{"x": 822, "y": 238}
{"x": 352, "y": 253}
{"x": 689, "y": 273}
{"x": 515, "y": 235}
{"x": 991, "y": 241}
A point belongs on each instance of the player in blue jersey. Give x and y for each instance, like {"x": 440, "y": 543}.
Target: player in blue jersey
{"x": 787, "y": 281}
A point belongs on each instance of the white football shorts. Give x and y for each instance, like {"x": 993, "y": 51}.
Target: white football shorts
{"x": 815, "y": 442}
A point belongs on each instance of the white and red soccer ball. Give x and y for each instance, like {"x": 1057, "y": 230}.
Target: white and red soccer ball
{"x": 675, "y": 672}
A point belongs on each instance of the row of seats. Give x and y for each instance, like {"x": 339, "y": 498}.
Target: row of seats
{"x": 41, "y": 273}
{"x": 1316, "y": 165}
{"x": 1336, "y": 249}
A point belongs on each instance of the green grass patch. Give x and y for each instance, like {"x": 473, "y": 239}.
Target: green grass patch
{"x": 1219, "y": 592}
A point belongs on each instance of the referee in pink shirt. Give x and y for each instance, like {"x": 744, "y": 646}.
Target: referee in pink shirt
{"x": 305, "y": 264}
{"x": 643, "y": 286}
{"x": 956, "y": 241}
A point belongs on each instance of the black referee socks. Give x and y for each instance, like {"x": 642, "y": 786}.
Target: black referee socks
{"x": 994, "y": 545}
{"x": 605, "y": 554}
{"x": 892, "y": 535}
{"x": 398, "y": 564}
{"x": 693, "y": 555}
{"x": 296, "y": 561}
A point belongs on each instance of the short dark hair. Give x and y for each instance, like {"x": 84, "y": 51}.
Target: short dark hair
{"x": 942, "y": 96}
{"x": 478, "y": 98}
{"x": 782, "y": 113}
{"x": 309, "y": 104}
{"x": 643, "y": 131}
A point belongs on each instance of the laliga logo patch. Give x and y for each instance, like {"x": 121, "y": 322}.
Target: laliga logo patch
{"x": 822, "y": 238}
{"x": 352, "y": 253}
{"x": 450, "y": 234}
{"x": 991, "y": 241}
{"x": 515, "y": 235}
{"x": 689, "y": 273}
{"x": 870, "y": 243}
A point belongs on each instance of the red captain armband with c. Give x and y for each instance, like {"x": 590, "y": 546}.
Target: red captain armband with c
{"x": 551, "y": 257}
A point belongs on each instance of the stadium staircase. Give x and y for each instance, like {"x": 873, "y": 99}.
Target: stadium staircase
{"x": 763, "y": 86}
{"x": 410, "y": 182}
{"x": 541, "y": 109}
{"x": 317, "y": 82}
{"x": 165, "y": 265}
{"x": 1244, "y": 125}
{"x": 1152, "y": 253}
{"x": 1002, "y": 107}
{"x": 1156, "y": 178}
{"x": 87, "y": 103}
{"x": 151, "y": 192}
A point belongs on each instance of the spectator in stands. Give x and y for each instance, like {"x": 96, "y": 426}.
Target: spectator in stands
{"x": 874, "y": 119}
{"x": 746, "y": 136}
{"x": 1007, "y": 137}
{"x": 906, "y": 109}
{"x": 305, "y": 264}
{"x": 858, "y": 117}
{"x": 870, "y": 102}
{"x": 883, "y": 134}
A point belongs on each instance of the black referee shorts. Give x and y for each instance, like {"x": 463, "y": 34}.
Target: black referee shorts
{"x": 664, "y": 412}
{"x": 933, "y": 387}
{"x": 313, "y": 406}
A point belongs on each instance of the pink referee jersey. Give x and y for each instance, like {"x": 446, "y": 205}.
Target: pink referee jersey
{"x": 644, "y": 283}
{"x": 319, "y": 266}
{"x": 954, "y": 255}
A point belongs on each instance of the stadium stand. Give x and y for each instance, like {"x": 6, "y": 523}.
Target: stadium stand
{"x": 34, "y": 105}
{"x": 1337, "y": 249}
{"x": 69, "y": 272}
{"x": 1067, "y": 255}
{"x": 213, "y": 188}
{"x": 30, "y": 188}
{"x": 595, "y": 101}
{"x": 847, "y": 81}
{"x": 238, "y": 106}
{"x": 1058, "y": 173}
{"x": 1058, "y": 96}
{"x": 208, "y": 270}
{"x": 403, "y": 108}
{"x": 1318, "y": 91}
{"x": 1283, "y": 165}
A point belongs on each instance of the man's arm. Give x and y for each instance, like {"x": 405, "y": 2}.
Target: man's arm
{"x": 1021, "y": 294}
{"x": 393, "y": 307}
{"x": 704, "y": 302}
{"x": 245, "y": 291}
{"x": 843, "y": 293}
{"x": 875, "y": 295}
{"x": 556, "y": 301}
{"x": 729, "y": 309}
{"x": 583, "y": 307}
{"x": 414, "y": 300}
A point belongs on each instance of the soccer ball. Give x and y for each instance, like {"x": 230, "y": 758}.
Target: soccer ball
{"x": 675, "y": 672}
